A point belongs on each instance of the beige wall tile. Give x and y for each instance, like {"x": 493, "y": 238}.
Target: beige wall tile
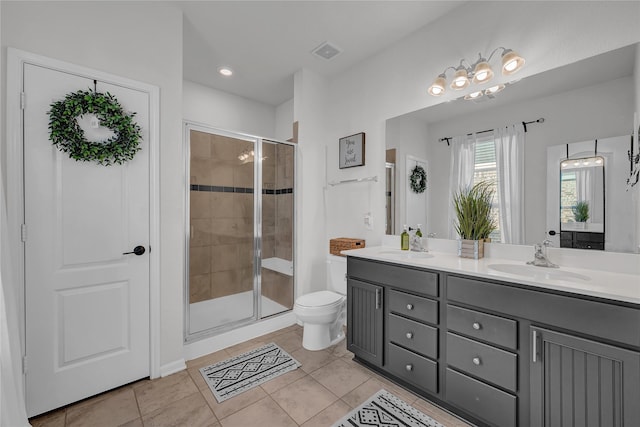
{"x": 224, "y": 257}
{"x": 243, "y": 205}
{"x": 223, "y": 205}
{"x": 243, "y": 175}
{"x": 200, "y": 144}
{"x": 199, "y": 288}
{"x": 200, "y": 171}
{"x": 200, "y": 232}
{"x": 199, "y": 204}
{"x": 224, "y": 231}
{"x": 221, "y": 172}
{"x": 225, "y": 283}
{"x": 199, "y": 260}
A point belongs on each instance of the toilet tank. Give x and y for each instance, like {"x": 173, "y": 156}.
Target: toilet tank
{"x": 337, "y": 274}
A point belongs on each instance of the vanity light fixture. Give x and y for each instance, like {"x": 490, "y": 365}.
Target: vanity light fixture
{"x": 479, "y": 72}
{"x": 225, "y": 71}
{"x": 582, "y": 163}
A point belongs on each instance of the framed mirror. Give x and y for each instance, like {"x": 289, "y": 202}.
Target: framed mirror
{"x": 583, "y": 101}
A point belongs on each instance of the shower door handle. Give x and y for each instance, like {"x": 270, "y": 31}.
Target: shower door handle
{"x": 138, "y": 250}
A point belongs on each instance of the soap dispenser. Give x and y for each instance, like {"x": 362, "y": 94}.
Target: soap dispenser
{"x": 418, "y": 232}
{"x": 404, "y": 239}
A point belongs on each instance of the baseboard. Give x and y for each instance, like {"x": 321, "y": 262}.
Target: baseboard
{"x": 212, "y": 344}
{"x": 172, "y": 367}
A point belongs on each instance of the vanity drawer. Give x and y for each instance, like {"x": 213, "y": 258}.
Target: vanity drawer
{"x": 610, "y": 321}
{"x": 415, "y": 336}
{"x": 410, "y": 279}
{"x": 415, "y": 307}
{"x": 483, "y": 326}
{"x": 483, "y": 361}
{"x": 413, "y": 368}
{"x": 486, "y": 402}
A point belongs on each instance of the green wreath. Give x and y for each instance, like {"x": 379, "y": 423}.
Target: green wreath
{"x": 418, "y": 179}
{"x": 68, "y": 136}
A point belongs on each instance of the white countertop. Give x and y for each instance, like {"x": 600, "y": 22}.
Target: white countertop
{"x": 603, "y": 284}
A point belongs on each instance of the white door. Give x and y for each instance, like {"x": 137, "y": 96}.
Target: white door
{"x": 87, "y": 304}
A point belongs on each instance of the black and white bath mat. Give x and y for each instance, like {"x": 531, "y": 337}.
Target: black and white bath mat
{"x": 247, "y": 370}
{"x": 384, "y": 409}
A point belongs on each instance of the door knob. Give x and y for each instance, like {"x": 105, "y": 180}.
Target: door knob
{"x": 138, "y": 250}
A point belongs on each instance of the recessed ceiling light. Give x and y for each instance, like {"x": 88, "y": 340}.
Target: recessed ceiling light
{"x": 225, "y": 71}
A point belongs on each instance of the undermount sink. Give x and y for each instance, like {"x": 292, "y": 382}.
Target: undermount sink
{"x": 538, "y": 273}
{"x": 406, "y": 254}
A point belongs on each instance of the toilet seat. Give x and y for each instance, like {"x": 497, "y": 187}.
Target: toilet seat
{"x": 320, "y": 299}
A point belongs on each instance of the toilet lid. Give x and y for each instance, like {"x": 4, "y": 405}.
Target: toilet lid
{"x": 319, "y": 299}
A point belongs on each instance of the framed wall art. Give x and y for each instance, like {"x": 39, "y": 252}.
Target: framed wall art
{"x": 351, "y": 151}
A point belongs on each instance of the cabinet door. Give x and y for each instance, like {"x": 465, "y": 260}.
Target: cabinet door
{"x": 578, "y": 382}
{"x": 364, "y": 320}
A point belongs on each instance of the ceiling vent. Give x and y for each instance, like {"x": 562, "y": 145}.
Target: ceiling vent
{"x": 326, "y": 51}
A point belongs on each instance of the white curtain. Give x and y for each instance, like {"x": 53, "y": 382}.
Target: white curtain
{"x": 509, "y": 142}
{"x": 585, "y": 188}
{"x": 463, "y": 157}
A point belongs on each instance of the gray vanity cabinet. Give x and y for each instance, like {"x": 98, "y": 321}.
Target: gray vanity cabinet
{"x": 365, "y": 320}
{"x": 497, "y": 353}
{"x": 580, "y": 382}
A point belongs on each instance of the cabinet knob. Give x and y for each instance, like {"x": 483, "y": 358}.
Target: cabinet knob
{"x": 409, "y": 367}
{"x": 409, "y": 335}
{"x": 409, "y": 306}
{"x": 477, "y": 326}
{"x": 476, "y": 360}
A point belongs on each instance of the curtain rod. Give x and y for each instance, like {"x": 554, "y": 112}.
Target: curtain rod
{"x": 524, "y": 124}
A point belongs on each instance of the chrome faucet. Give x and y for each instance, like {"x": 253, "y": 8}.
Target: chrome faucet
{"x": 540, "y": 258}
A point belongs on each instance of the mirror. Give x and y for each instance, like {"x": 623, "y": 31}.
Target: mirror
{"x": 582, "y": 195}
{"x": 591, "y": 99}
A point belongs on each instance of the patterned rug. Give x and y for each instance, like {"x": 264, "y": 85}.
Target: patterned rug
{"x": 247, "y": 370}
{"x": 384, "y": 409}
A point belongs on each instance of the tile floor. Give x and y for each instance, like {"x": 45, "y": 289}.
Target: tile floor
{"x": 324, "y": 389}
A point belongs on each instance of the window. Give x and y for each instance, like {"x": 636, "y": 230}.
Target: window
{"x": 485, "y": 170}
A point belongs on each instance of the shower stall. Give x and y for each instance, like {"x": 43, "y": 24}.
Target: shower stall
{"x": 239, "y": 230}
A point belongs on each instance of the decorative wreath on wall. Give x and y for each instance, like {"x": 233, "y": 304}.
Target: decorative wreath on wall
{"x": 67, "y": 135}
{"x": 418, "y": 179}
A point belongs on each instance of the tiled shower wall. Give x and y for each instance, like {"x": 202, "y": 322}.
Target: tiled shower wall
{"x": 221, "y": 204}
{"x": 277, "y": 219}
{"x": 221, "y": 210}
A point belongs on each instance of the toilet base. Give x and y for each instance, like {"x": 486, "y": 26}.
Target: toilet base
{"x": 318, "y": 337}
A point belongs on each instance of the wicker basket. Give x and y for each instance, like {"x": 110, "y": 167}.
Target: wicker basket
{"x": 344, "y": 243}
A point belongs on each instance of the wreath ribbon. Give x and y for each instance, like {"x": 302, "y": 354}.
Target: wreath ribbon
{"x": 67, "y": 135}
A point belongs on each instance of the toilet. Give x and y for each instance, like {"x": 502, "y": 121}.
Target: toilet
{"x": 323, "y": 313}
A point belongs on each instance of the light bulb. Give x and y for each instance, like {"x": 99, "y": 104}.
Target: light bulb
{"x": 437, "y": 87}
{"x": 460, "y": 79}
{"x": 225, "y": 71}
{"x": 511, "y": 62}
{"x": 483, "y": 72}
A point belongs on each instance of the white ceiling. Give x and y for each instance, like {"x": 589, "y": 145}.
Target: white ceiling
{"x": 266, "y": 42}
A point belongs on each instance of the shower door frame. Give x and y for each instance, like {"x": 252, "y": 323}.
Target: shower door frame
{"x": 257, "y": 227}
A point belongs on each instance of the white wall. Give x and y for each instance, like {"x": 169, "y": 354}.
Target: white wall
{"x": 309, "y": 110}
{"x": 548, "y": 34}
{"x": 144, "y": 43}
{"x": 599, "y": 111}
{"x": 284, "y": 121}
{"x": 202, "y": 104}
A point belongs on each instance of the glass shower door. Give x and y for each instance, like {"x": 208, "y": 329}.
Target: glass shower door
{"x": 221, "y": 256}
{"x": 277, "y": 272}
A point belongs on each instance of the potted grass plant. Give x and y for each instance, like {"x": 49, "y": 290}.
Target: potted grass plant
{"x": 474, "y": 222}
{"x": 581, "y": 213}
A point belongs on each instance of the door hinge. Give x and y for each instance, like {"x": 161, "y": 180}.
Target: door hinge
{"x": 22, "y": 100}
{"x": 23, "y": 232}
{"x": 24, "y": 364}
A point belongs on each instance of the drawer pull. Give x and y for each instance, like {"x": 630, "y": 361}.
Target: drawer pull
{"x": 409, "y": 306}
{"x": 409, "y": 367}
{"x": 477, "y": 326}
{"x": 409, "y": 335}
{"x": 476, "y": 361}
